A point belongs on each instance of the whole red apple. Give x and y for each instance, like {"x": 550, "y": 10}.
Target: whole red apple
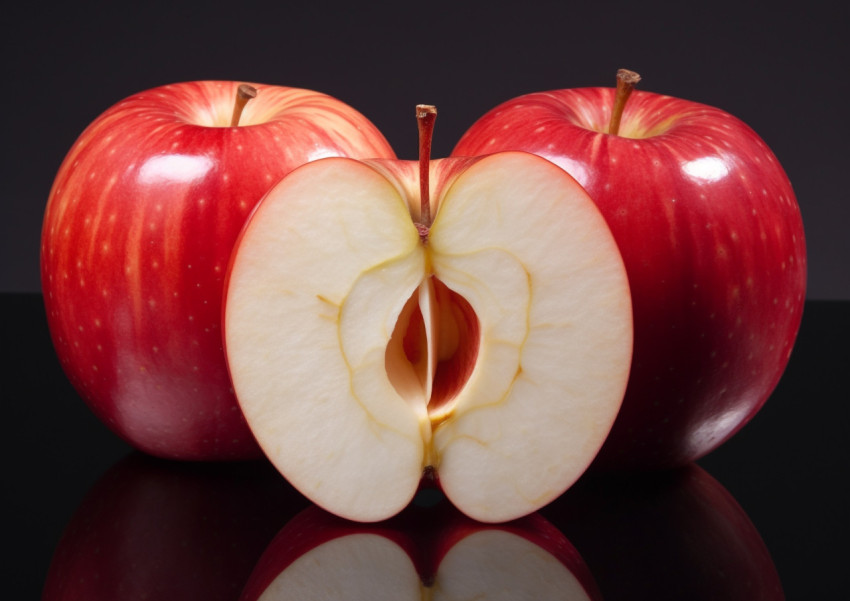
{"x": 713, "y": 243}
{"x": 136, "y": 239}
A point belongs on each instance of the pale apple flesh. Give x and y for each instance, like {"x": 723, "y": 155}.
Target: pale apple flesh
{"x": 495, "y": 352}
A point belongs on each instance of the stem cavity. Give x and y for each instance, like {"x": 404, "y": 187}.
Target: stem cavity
{"x": 626, "y": 82}
{"x": 244, "y": 93}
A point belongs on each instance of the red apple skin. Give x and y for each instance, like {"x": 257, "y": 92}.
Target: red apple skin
{"x": 713, "y": 243}
{"x": 156, "y": 529}
{"x": 136, "y": 239}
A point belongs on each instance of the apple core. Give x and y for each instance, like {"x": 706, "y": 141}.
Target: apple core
{"x": 430, "y": 360}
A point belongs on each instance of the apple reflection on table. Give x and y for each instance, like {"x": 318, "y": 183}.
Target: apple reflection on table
{"x": 157, "y": 529}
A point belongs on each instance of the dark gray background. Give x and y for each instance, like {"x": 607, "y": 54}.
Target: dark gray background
{"x": 779, "y": 69}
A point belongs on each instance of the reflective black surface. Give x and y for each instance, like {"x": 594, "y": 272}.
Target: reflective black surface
{"x": 772, "y": 501}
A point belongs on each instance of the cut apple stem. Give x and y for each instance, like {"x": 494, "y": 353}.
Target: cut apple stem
{"x": 244, "y": 93}
{"x": 626, "y": 82}
{"x": 426, "y": 114}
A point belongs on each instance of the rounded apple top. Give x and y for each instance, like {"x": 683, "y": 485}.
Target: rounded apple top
{"x": 646, "y": 114}
{"x": 583, "y": 115}
{"x": 210, "y": 104}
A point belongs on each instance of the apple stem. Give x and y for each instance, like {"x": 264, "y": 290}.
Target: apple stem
{"x": 244, "y": 93}
{"x": 426, "y": 114}
{"x": 626, "y": 82}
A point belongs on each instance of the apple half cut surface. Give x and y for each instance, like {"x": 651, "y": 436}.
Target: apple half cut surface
{"x": 489, "y": 348}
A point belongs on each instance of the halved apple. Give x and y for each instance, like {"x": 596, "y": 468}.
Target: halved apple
{"x": 369, "y": 344}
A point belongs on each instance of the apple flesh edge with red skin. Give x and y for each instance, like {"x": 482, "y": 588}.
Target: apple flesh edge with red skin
{"x": 136, "y": 238}
{"x": 713, "y": 243}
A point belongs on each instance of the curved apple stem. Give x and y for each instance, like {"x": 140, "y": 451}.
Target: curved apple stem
{"x": 626, "y": 82}
{"x": 426, "y": 114}
{"x": 244, "y": 93}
